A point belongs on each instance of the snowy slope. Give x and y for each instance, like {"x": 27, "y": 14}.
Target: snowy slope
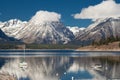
{"x": 97, "y": 22}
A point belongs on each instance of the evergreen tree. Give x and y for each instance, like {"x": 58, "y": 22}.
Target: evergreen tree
{"x": 93, "y": 43}
{"x": 119, "y": 44}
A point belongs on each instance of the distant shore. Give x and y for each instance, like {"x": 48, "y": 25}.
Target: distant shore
{"x": 36, "y": 50}
{"x": 109, "y": 47}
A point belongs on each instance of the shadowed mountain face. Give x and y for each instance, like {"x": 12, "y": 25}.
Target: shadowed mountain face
{"x": 101, "y": 29}
{"x": 4, "y": 37}
{"x": 64, "y": 68}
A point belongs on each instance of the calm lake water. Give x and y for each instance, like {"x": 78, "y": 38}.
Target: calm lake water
{"x": 62, "y": 65}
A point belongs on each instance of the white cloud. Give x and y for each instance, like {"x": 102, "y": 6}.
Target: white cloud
{"x": 105, "y": 9}
{"x": 45, "y": 16}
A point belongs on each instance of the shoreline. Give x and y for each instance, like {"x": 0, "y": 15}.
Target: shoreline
{"x": 100, "y": 50}
{"x": 114, "y": 46}
{"x": 57, "y": 50}
{"x": 36, "y": 50}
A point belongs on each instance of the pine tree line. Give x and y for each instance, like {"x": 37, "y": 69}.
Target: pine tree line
{"x": 107, "y": 41}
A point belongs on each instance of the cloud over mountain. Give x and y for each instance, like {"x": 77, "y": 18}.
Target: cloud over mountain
{"x": 45, "y": 16}
{"x": 105, "y": 9}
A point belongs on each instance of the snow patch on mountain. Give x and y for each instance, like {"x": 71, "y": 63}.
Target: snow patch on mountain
{"x": 76, "y": 30}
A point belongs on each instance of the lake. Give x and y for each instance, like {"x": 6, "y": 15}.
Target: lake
{"x": 61, "y": 65}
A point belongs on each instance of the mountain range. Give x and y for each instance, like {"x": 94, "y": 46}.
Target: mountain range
{"x": 54, "y": 32}
{"x": 44, "y": 31}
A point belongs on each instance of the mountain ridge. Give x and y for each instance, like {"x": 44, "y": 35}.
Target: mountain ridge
{"x": 109, "y": 27}
{"x": 54, "y": 32}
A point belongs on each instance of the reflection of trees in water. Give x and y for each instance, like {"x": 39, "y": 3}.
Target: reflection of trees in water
{"x": 113, "y": 67}
{"x": 46, "y": 68}
{"x": 2, "y": 62}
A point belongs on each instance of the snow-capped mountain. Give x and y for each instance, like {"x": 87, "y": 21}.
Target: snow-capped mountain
{"x": 76, "y": 30}
{"x": 101, "y": 29}
{"x": 11, "y": 27}
{"x": 47, "y": 30}
{"x": 40, "y": 29}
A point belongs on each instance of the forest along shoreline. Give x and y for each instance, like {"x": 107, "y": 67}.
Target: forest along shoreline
{"x": 114, "y": 46}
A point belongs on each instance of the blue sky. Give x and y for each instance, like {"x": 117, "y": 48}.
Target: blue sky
{"x": 25, "y": 9}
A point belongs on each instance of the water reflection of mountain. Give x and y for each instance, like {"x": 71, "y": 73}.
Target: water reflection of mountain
{"x": 63, "y": 67}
